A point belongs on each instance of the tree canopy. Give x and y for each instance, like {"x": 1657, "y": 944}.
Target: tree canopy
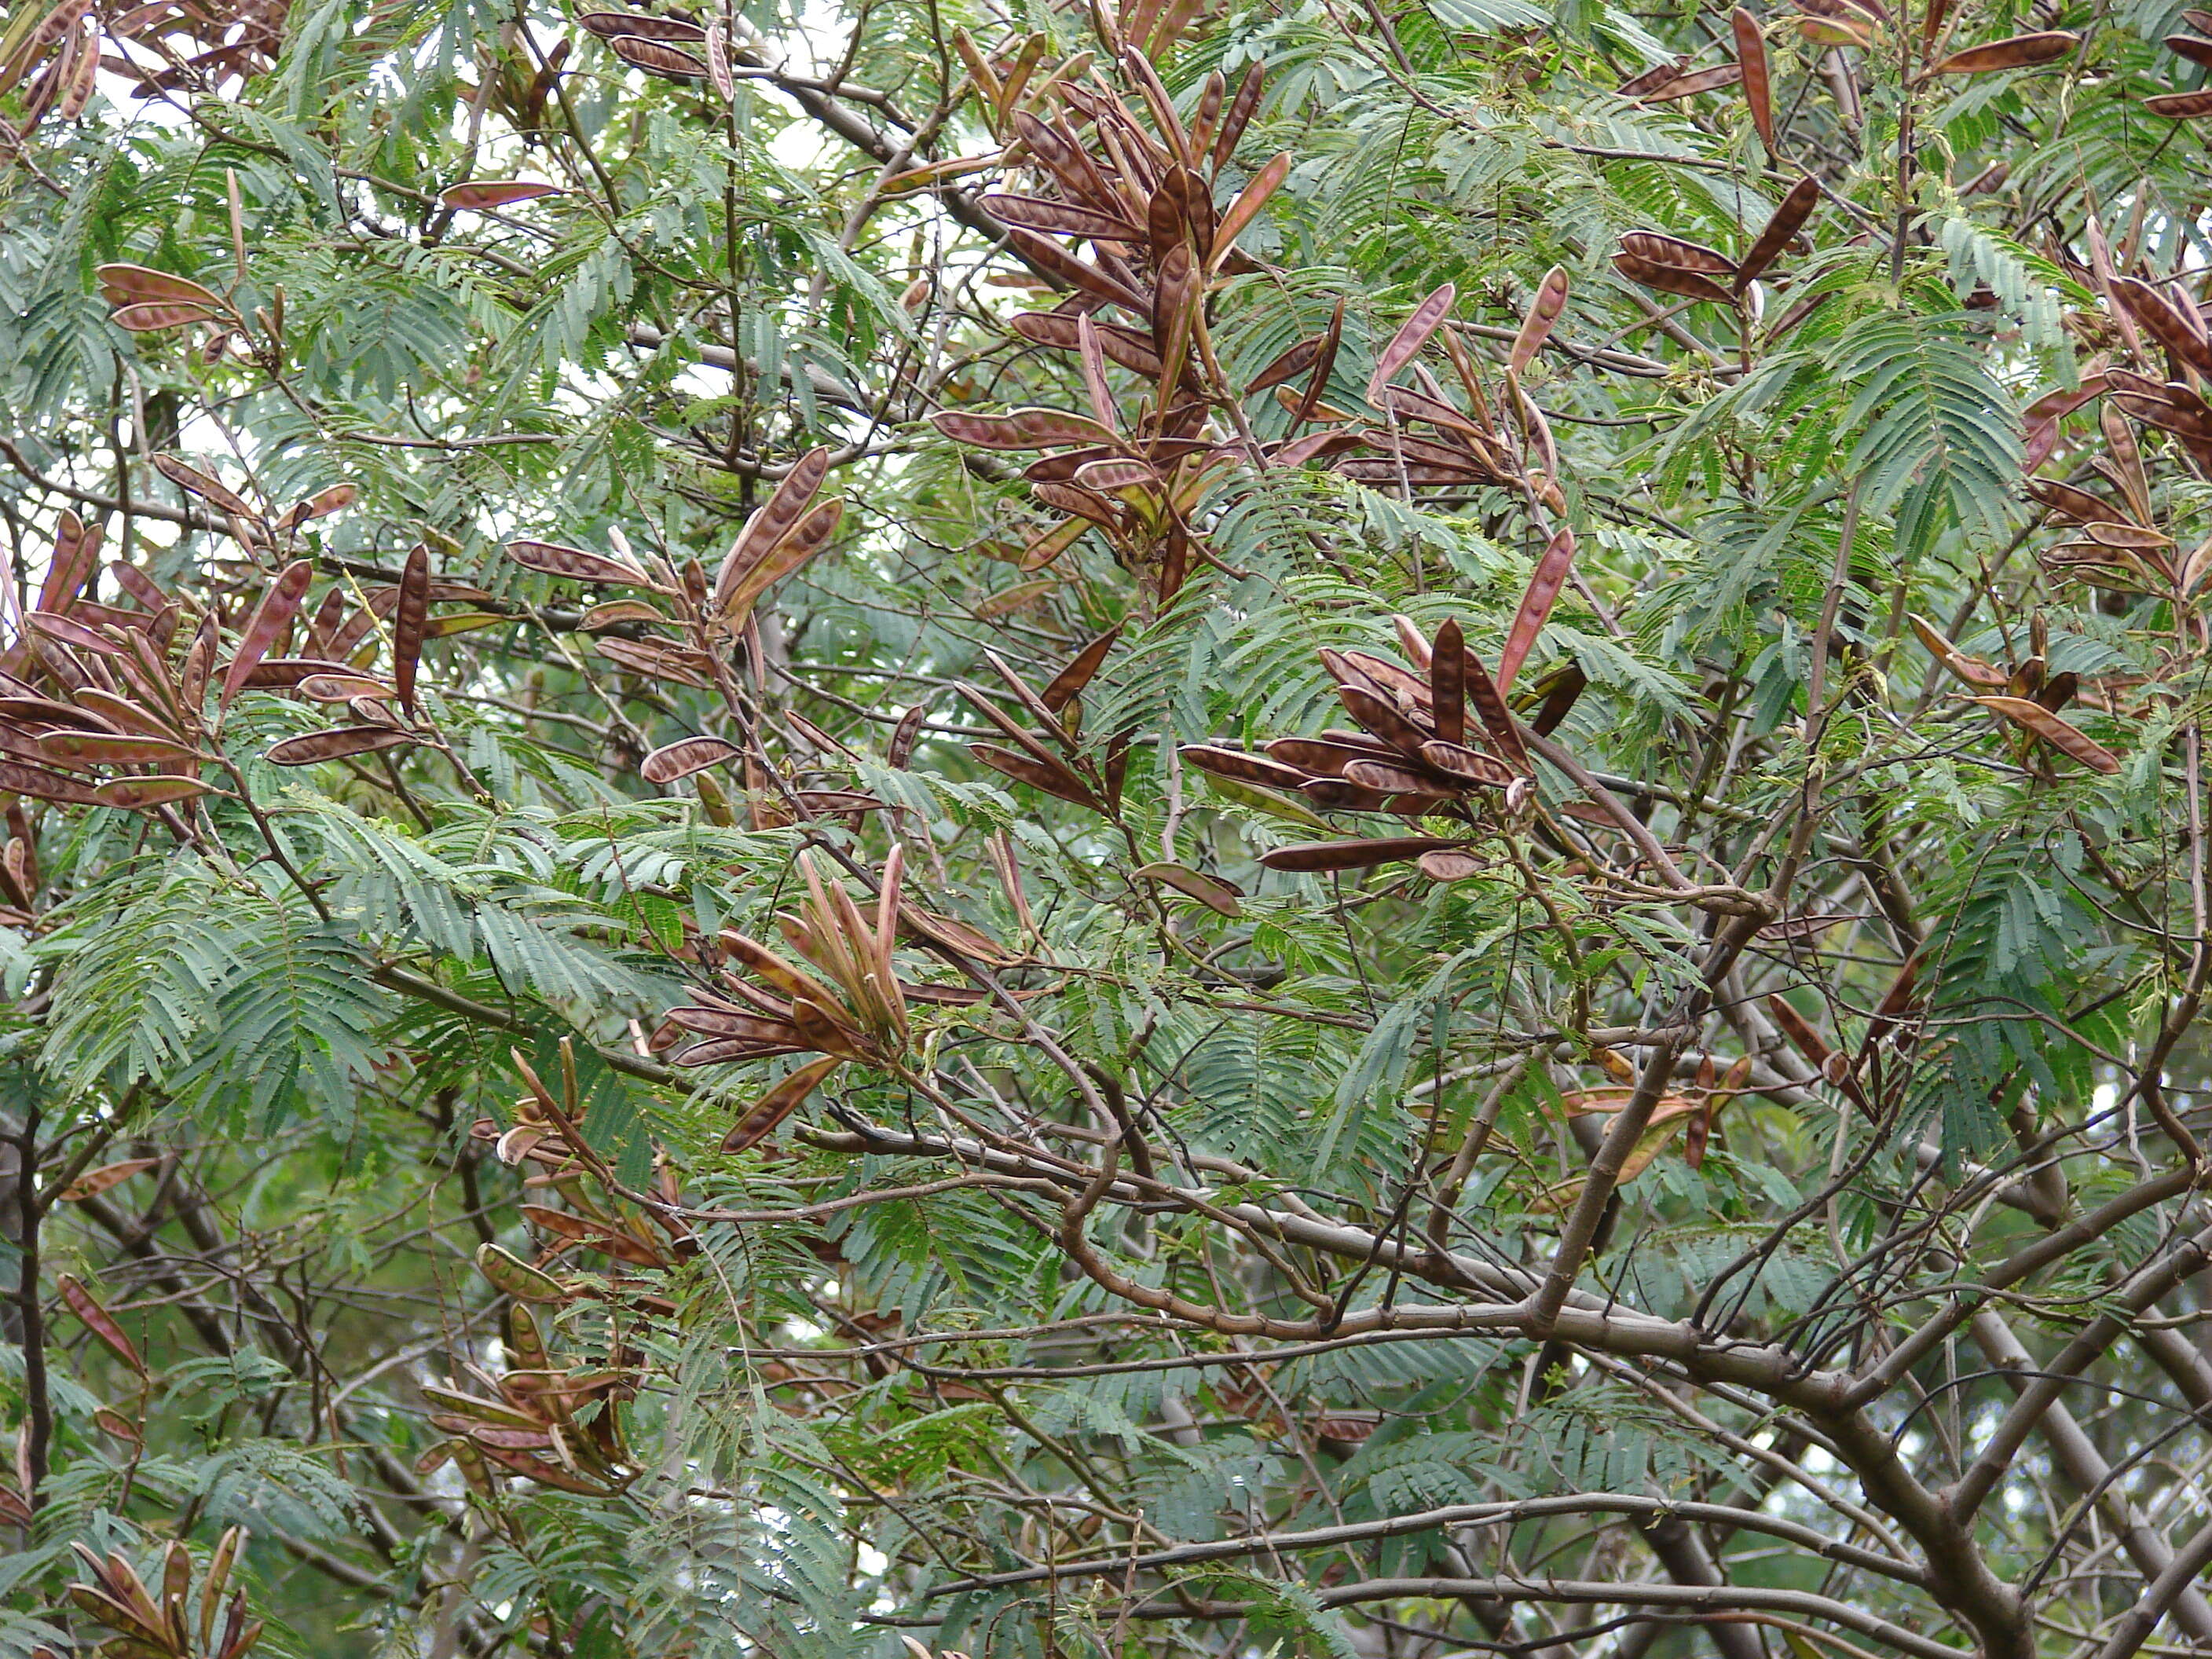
{"x": 1369, "y": 828}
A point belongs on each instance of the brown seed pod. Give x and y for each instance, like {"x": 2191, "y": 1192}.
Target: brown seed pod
{"x": 1319, "y": 856}
{"x": 609, "y": 24}
{"x": 1412, "y": 334}
{"x": 1788, "y": 219}
{"x": 339, "y": 743}
{"x": 2059, "y": 733}
{"x": 573, "y": 563}
{"x": 658, "y": 57}
{"x": 2018, "y": 52}
{"x": 684, "y": 757}
{"x": 483, "y": 195}
{"x": 1758, "y": 84}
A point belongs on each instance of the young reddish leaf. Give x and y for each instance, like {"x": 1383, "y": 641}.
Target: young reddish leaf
{"x": 1789, "y": 218}
{"x": 2059, "y": 733}
{"x": 100, "y": 1322}
{"x": 1241, "y": 212}
{"x": 339, "y": 743}
{"x": 2019, "y": 52}
{"x": 409, "y": 622}
{"x": 760, "y": 1118}
{"x": 137, "y": 794}
{"x": 575, "y": 564}
{"x": 1758, "y": 82}
{"x": 1315, "y": 856}
{"x": 272, "y": 621}
{"x": 1544, "y": 312}
{"x": 1551, "y": 575}
{"x": 1412, "y": 334}
{"x": 495, "y": 193}
{"x": 684, "y": 757}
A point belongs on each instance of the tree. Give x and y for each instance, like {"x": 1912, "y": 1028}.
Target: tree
{"x": 1123, "y": 828}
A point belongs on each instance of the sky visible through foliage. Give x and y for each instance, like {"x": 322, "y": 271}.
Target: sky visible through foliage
{"x": 1139, "y": 827}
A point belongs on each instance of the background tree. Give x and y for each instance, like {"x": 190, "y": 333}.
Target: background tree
{"x": 1349, "y": 828}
